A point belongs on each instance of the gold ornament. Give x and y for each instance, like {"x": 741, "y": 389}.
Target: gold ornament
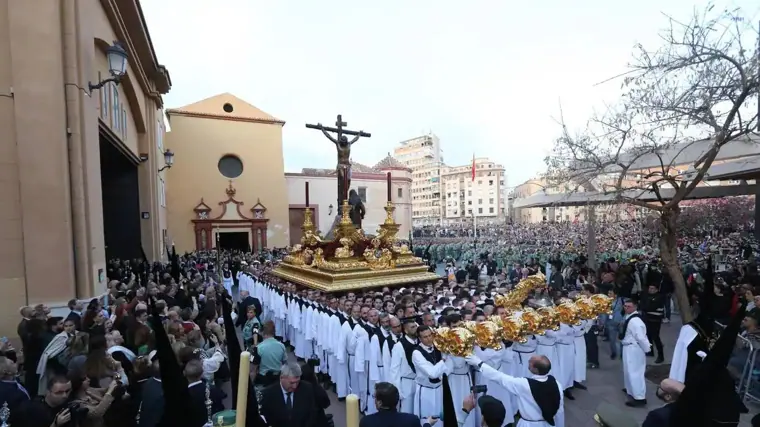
{"x": 585, "y": 307}
{"x": 454, "y": 341}
{"x": 549, "y": 318}
{"x": 568, "y": 313}
{"x": 602, "y": 304}
{"x": 532, "y": 322}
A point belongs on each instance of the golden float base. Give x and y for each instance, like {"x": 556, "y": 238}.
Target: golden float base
{"x": 343, "y": 281}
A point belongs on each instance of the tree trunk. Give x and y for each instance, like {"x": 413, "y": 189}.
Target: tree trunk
{"x": 591, "y": 229}
{"x": 669, "y": 255}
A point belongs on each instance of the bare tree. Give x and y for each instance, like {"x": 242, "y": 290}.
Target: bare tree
{"x": 680, "y": 105}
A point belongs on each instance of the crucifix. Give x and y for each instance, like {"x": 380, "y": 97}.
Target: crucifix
{"x": 343, "y": 145}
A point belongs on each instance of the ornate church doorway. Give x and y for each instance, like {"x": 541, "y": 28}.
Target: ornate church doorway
{"x": 235, "y": 240}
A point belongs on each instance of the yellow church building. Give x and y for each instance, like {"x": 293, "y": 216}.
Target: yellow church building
{"x": 229, "y": 187}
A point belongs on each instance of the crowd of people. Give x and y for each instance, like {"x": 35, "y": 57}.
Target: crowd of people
{"x": 160, "y": 347}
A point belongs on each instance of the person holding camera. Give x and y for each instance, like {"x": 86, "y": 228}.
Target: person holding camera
{"x": 50, "y": 410}
{"x": 492, "y": 411}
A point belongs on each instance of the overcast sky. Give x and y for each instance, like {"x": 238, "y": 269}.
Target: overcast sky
{"x": 486, "y": 76}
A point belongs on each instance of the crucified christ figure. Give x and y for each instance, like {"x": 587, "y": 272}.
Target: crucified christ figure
{"x": 343, "y": 146}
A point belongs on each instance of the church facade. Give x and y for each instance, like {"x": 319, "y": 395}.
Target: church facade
{"x": 75, "y": 160}
{"x": 228, "y": 189}
{"x": 369, "y": 182}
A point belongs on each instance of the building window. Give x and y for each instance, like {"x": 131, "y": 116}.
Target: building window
{"x": 480, "y": 201}
{"x": 480, "y": 210}
{"x": 490, "y": 182}
{"x": 490, "y": 201}
{"x": 469, "y": 193}
{"x": 160, "y": 136}
{"x": 162, "y": 192}
{"x": 363, "y": 194}
{"x": 469, "y": 203}
{"x": 124, "y": 123}
{"x": 490, "y": 210}
{"x": 115, "y": 117}
{"x": 230, "y": 166}
{"x": 103, "y": 100}
{"x": 400, "y": 192}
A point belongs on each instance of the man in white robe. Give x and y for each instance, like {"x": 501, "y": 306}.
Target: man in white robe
{"x": 547, "y": 346}
{"x": 523, "y": 352}
{"x": 633, "y": 337}
{"x": 460, "y": 380}
{"x": 376, "y": 367}
{"x": 538, "y": 397}
{"x": 565, "y": 345}
{"x": 356, "y": 348}
{"x": 402, "y": 373}
{"x": 395, "y": 333}
{"x": 579, "y": 340}
{"x": 429, "y": 368}
{"x": 342, "y": 354}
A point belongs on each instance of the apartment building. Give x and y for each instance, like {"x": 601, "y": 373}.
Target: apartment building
{"x": 424, "y": 156}
{"x": 483, "y": 197}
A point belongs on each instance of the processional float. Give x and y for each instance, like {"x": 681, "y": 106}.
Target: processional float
{"x": 351, "y": 259}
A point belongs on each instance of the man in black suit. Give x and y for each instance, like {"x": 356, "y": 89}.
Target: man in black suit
{"x": 289, "y": 402}
{"x": 668, "y": 391}
{"x": 197, "y": 389}
{"x": 75, "y": 315}
{"x": 386, "y": 401}
{"x": 152, "y": 403}
{"x": 246, "y": 300}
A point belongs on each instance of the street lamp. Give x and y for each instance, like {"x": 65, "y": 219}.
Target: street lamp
{"x": 168, "y": 160}
{"x": 117, "y": 65}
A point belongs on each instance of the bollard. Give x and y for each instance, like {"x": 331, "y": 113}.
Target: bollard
{"x": 242, "y": 396}
{"x": 352, "y": 410}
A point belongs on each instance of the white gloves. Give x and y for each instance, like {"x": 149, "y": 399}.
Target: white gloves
{"x": 472, "y": 360}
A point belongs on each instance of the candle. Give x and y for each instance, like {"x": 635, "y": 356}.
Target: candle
{"x": 242, "y": 395}
{"x": 307, "y": 194}
{"x": 388, "y": 177}
{"x": 352, "y": 410}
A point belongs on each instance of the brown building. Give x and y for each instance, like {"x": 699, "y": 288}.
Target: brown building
{"x": 72, "y": 182}
{"x": 230, "y": 182}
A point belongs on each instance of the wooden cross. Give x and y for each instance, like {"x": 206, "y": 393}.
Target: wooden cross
{"x": 339, "y": 131}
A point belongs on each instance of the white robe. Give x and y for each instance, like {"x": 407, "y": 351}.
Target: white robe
{"x": 495, "y": 359}
{"x": 376, "y": 372}
{"x": 428, "y": 396}
{"x": 681, "y": 353}
{"x": 342, "y": 374}
{"x": 565, "y": 355}
{"x": 635, "y": 348}
{"x": 579, "y": 373}
{"x": 547, "y": 346}
{"x": 527, "y": 406}
{"x": 522, "y": 354}
{"x": 460, "y": 382}
{"x": 402, "y": 376}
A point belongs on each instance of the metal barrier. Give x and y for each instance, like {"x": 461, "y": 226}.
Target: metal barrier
{"x": 748, "y": 385}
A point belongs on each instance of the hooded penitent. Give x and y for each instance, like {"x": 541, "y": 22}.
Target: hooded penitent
{"x": 710, "y": 398}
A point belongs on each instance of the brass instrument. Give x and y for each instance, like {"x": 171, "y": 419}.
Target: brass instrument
{"x": 602, "y": 304}
{"x": 531, "y": 322}
{"x": 549, "y": 318}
